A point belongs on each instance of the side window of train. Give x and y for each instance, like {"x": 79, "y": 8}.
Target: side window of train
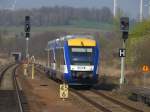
{"x": 57, "y": 57}
{"x": 50, "y": 56}
{"x": 61, "y": 56}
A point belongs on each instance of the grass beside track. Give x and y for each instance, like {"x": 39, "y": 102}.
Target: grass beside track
{"x": 68, "y": 28}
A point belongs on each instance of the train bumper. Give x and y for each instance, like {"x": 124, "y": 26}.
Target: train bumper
{"x": 82, "y": 81}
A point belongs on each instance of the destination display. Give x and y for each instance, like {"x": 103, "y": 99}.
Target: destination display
{"x": 81, "y": 49}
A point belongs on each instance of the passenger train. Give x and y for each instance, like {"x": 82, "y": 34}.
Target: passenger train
{"x": 74, "y": 59}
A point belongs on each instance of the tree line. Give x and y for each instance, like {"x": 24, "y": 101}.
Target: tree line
{"x": 54, "y": 16}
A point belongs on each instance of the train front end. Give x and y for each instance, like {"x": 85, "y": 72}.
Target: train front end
{"x": 82, "y": 60}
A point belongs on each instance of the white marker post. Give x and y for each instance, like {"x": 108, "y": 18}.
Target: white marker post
{"x": 27, "y": 48}
{"x": 122, "y": 54}
{"x": 25, "y": 66}
{"x": 33, "y": 68}
{"x": 33, "y": 71}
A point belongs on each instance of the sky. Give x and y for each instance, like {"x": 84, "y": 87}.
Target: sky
{"x": 129, "y": 7}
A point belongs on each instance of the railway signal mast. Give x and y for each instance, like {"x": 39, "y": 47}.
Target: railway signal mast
{"x": 149, "y": 8}
{"x": 115, "y": 7}
{"x": 141, "y": 10}
{"x": 147, "y": 4}
{"x": 124, "y": 28}
{"x": 27, "y": 34}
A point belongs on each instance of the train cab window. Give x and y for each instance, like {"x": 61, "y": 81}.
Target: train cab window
{"x": 81, "y": 55}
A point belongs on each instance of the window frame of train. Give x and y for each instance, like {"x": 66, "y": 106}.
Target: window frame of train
{"x": 59, "y": 57}
{"x": 79, "y": 50}
{"x": 51, "y": 58}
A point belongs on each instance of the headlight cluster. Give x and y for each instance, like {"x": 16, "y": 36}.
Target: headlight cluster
{"x": 83, "y": 75}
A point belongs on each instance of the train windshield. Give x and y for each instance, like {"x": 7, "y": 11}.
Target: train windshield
{"x": 81, "y": 56}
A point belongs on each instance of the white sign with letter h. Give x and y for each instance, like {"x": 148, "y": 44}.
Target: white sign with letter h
{"x": 122, "y": 52}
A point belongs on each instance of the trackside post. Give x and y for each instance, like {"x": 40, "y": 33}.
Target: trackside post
{"x": 124, "y": 28}
{"x": 25, "y": 66}
{"x": 146, "y": 70}
{"x": 63, "y": 91}
{"x": 33, "y": 66}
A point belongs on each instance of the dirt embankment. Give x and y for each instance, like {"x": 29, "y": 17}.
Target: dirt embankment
{"x": 5, "y": 59}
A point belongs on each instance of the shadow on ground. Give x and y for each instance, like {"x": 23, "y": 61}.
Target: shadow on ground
{"x": 107, "y": 83}
{"x": 106, "y": 86}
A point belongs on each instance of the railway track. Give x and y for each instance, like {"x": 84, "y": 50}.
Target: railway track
{"x": 123, "y": 105}
{"x": 98, "y": 106}
{"x": 101, "y": 101}
{"x": 12, "y": 100}
{"x": 3, "y": 70}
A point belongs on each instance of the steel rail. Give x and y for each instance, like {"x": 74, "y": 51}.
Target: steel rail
{"x": 17, "y": 89}
{"x": 131, "y": 108}
{"x": 98, "y": 106}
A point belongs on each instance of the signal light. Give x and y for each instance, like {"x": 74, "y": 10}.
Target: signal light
{"x": 124, "y": 27}
{"x": 124, "y": 24}
{"x": 27, "y": 27}
{"x": 27, "y": 24}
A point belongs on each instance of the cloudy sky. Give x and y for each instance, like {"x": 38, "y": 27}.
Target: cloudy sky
{"x": 130, "y": 7}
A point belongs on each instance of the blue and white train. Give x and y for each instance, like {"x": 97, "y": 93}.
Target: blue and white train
{"x": 74, "y": 59}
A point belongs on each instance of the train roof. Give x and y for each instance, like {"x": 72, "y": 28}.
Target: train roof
{"x": 75, "y": 36}
{"x": 70, "y": 37}
{"x": 59, "y": 41}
